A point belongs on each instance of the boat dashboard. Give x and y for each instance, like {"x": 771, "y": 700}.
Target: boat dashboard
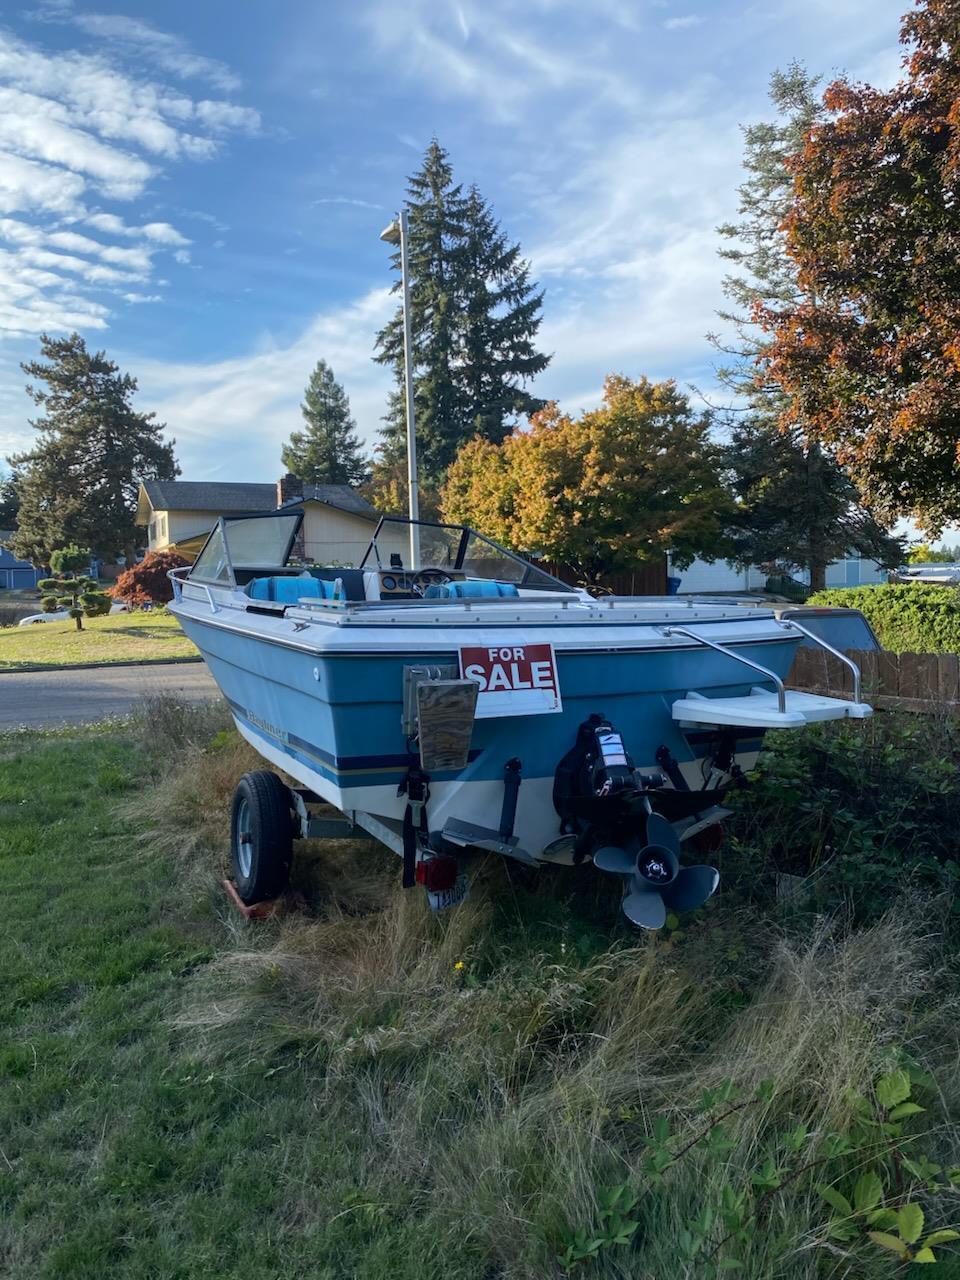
{"x": 413, "y": 584}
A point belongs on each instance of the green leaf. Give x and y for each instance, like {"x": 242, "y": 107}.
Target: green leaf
{"x": 924, "y": 1255}
{"x": 883, "y": 1219}
{"x": 887, "y": 1241}
{"x": 941, "y": 1237}
{"x": 836, "y": 1201}
{"x": 906, "y": 1109}
{"x": 841, "y": 1229}
{"x": 867, "y": 1193}
{"x": 910, "y": 1223}
{"x": 730, "y": 1264}
{"x": 892, "y": 1089}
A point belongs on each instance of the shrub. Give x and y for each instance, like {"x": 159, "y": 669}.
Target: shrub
{"x": 147, "y": 582}
{"x": 909, "y": 617}
{"x": 71, "y": 589}
{"x": 863, "y": 808}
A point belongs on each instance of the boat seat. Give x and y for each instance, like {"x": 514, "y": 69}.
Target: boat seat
{"x": 288, "y": 590}
{"x": 471, "y": 589}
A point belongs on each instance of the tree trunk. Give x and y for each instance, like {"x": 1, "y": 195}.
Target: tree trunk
{"x": 818, "y": 576}
{"x": 79, "y": 621}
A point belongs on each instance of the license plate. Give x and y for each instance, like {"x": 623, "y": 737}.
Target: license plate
{"x": 443, "y": 899}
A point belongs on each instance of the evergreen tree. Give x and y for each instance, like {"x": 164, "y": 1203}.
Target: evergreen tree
{"x": 9, "y": 501}
{"x": 329, "y": 450}
{"x": 72, "y": 589}
{"x": 796, "y": 506}
{"x": 474, "y": 318}
{"x": 79, "y": 484}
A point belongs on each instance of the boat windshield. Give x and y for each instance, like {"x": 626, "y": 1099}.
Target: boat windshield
{"x": 248, "y": 542}
{"x": 453, "y": 546}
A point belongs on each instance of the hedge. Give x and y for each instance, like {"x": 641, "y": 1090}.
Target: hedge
{"x": 907, "y": 617}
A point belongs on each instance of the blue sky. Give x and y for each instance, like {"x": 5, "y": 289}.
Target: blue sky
{"x": 199, "y": 188}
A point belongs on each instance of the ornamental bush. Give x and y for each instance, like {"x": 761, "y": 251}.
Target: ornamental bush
{"x": 147, "y": 581}
{"x": 912, "y": 617}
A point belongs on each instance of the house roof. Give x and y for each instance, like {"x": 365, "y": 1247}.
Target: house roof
{"x": 341, "y": 496}
{"x": 212, "y": 495}
{"x": 7, "y": 559}
{"x": 209, "y": 495}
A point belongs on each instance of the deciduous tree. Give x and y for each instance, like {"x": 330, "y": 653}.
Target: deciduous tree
{"x": 796, "y": 506}
{"x": 328, "y": 451}
{"x": 147, "y": 582}
{"x": 869, "y": 356}
{"x": 79, "y": 483}
{"x": 612, "y": 489}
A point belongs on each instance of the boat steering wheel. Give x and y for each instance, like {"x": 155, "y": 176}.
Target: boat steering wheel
{"x": 424, "y": 578}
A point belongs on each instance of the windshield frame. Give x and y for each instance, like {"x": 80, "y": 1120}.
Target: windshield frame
{"x": 547, "y": 581}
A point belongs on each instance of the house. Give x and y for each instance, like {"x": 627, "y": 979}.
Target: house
{"x": 16, "y": 574}
{"x": 702, "y": 577}
{"x": 178, "y": 514}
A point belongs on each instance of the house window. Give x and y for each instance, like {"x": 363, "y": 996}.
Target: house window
{"x": 152, "y": 532}
{"x": 163, "y": 527}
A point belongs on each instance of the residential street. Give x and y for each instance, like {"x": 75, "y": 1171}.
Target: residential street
{"x": 38, "y": 698}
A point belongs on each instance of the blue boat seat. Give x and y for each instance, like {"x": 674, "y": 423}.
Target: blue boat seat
{"x": 471, "y": 589}
{"x": 288, "y": 590}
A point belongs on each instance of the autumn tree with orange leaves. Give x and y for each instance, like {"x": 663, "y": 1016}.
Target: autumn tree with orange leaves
{"x": 612, "y": 489}
{"x": 869, "y": 357}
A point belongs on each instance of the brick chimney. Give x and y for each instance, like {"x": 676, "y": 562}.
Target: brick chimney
{"x": 289, "y": 486}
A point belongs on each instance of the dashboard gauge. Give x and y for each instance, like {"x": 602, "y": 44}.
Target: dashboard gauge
{"x": 389, "y": 582}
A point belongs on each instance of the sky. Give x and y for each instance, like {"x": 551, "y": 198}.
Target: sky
{"x": 198, "y": 189}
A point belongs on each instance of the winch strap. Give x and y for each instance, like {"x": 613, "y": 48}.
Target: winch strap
{"x": 415, "y": 787}
{"x": 511, "y": 790}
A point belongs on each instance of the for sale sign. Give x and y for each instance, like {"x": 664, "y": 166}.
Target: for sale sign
{"x": 514, "y": 680}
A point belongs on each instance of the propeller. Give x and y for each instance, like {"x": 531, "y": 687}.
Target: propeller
{"x": 654, "y": 881}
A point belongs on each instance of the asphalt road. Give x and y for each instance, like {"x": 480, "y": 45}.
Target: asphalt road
{"x": 39, "y": 698}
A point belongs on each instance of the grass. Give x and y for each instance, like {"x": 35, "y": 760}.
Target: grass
{"x": 361, "y": 1089}
{"x": 124, "y": 637}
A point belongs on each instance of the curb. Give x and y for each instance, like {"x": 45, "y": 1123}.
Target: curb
{"x": 100, "y": 666}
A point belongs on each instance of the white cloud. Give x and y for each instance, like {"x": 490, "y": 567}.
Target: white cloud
{"x": 683, "y": 23}
{"x": 142, "y": 297}
{"x": 253, "y": 399}
{"x": 75, "y": 127}
{"x": 168, "y": 52}
{"x": 158, "y": 232}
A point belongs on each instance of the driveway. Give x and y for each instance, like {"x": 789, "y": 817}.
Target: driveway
{"x": 39, "y": 698}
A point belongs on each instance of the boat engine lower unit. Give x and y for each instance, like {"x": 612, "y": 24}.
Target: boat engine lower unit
{"x": 629, "y": 823}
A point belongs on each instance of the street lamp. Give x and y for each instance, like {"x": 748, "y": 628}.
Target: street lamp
{"x": 397, "y": 234}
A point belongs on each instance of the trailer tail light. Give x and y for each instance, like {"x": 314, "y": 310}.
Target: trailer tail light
{"x": 437, "y": 872}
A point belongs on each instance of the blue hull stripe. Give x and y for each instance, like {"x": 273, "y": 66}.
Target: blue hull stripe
{"x": 380, "y": 769}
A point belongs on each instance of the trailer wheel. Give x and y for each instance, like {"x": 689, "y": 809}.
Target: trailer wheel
{"x": 261, "y": 836}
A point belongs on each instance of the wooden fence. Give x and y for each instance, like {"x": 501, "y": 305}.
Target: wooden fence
{"x": 647, "y": 580}
{"x": 924, "y": 682}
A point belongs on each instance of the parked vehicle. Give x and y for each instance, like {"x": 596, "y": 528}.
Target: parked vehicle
{"x": 62, "y": 615}
{"x": 473, "y": 702}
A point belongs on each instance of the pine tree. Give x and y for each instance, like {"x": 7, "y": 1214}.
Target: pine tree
{"x": 500, "y": 321}
{"x": 797, "y": 507}
{"x": 9, "y": 501}
{"x": 474, "y": 317}
{"x": 72, "y": 589}
{"x": 329, "y": 450}
{"x": 79, "y": 484}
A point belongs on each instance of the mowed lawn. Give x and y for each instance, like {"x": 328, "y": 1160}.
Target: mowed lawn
{"x": 124, "y": 637}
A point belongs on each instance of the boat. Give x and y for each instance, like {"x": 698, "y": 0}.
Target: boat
{"x": 449, "y": 697}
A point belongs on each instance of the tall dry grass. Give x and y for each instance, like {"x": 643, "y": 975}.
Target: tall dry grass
{"x": 492, "y": 1070}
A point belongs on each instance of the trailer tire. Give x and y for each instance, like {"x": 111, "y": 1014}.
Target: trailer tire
{"x": 261, "y": 836}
